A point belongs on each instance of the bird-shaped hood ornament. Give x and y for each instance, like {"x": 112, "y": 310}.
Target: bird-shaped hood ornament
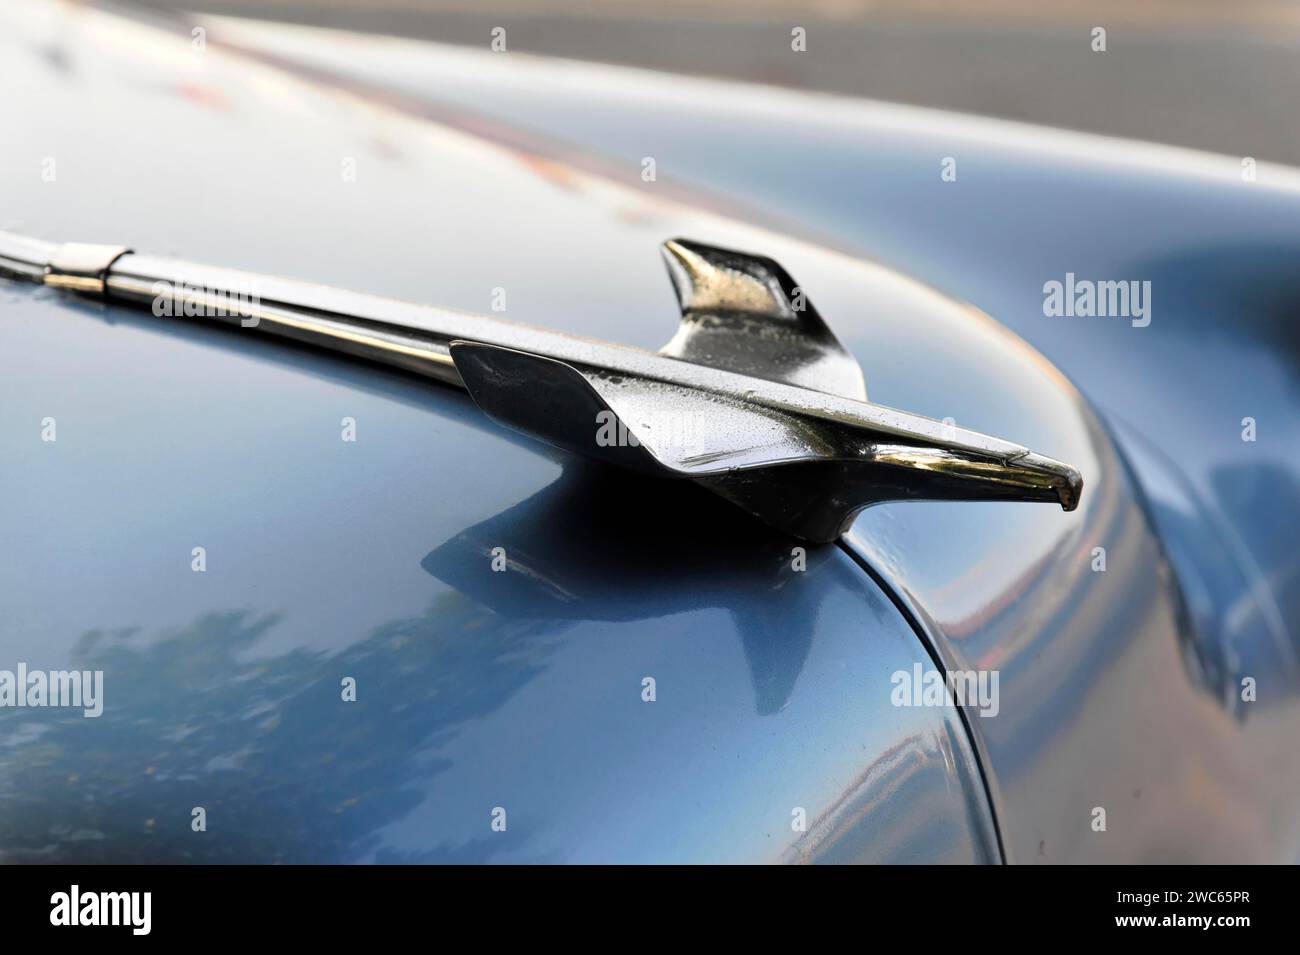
{"x": 754, "y": 397}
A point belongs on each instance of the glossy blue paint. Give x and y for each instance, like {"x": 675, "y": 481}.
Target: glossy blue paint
{"x": 1026, "y": 207}
{"x": 475, "y": 689}
{"x": 327, "y": 559}
{"x": 510, "y": 689}
{"x": 1104, "y": 670}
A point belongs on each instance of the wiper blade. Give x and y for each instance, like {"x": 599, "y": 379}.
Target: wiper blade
{"x": 754, "y": 397}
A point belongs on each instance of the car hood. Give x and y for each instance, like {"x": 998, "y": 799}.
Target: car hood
{"x": 221, "y": 151}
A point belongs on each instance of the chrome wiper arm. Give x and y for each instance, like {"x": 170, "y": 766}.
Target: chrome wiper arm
{"x": 754, "y": 397}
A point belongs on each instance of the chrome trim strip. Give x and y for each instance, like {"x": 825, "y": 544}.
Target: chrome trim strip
{"x": 24, "y": 258}
{"x": 804, "y": 460}
{"x": 81, "y": 267}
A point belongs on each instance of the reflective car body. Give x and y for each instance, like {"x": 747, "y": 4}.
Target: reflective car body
{"x": 654, "y": 677}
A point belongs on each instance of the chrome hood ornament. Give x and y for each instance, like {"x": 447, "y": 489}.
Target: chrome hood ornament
{"x": 754, "y": 397}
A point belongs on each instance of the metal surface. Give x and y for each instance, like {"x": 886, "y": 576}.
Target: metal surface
{"x": 79, "y": 267}
{"x": 1122, "y": 688}
{"x": 804, "y": 461}
{"x": 745, "y": 313}
{"x": 328, "y": 559}
{"x": 521, "y": 687}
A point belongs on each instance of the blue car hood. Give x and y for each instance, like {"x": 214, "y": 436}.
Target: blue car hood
{"x": 525, "y": 691}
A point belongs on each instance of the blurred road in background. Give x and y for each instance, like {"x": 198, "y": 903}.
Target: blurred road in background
{"x": 1218, "y": 76}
